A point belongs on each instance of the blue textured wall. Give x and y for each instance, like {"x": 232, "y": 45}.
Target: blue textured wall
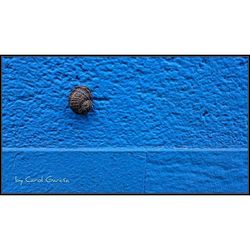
{"x": 159, "y": 125}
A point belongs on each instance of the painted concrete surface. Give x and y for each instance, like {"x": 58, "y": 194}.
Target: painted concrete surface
{"x": 139, "y": 102}
{"x": 125, "y": 172}
{"x": 73, "y": 172}
{"x": 197, "y": 172}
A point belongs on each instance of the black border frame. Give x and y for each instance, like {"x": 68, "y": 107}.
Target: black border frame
{"x": 123, "y": 55}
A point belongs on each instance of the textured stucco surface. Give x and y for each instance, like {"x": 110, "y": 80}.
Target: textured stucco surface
{"x": 86, "y": 172}
{"x": 141, "y": 101}
{"x": 125, "y": 172}
{"x": 197, "y": 172}
{"x": 140, "y": 104}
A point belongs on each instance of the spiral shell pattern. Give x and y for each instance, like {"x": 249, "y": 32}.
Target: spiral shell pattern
{"x": 80, "y": 100}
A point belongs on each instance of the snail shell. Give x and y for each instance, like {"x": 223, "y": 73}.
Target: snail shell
{"x": 80, "y": 100}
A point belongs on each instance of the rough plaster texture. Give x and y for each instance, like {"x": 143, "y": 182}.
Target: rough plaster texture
{"x": 86, "y": 172}
{"x": 142, "y": 101}
{"x": 125, "y": 172}
{"x": 197, "y": 172}
{"x": 139, "y": 102}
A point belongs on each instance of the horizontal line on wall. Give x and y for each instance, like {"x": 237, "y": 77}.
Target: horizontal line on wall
{"x": 125, "y": 149}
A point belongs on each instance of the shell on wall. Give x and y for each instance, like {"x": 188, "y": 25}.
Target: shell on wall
{"x": 80, "y": 100}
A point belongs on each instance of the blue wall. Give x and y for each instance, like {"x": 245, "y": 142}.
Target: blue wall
{"x": 160, "y": 124}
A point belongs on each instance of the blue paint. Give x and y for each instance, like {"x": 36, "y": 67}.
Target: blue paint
{"x": 197, "y": 172}
{"x": 73, "y": 172}
{"x": 148, "y": 103}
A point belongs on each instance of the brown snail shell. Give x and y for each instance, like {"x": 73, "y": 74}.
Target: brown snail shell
{"x": 80, "y": 100}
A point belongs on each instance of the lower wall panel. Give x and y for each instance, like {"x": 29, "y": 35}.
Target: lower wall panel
{"x": 169, "y": 172}
{"x": 197, "y": 172}
{"x": 79, "y": 172}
